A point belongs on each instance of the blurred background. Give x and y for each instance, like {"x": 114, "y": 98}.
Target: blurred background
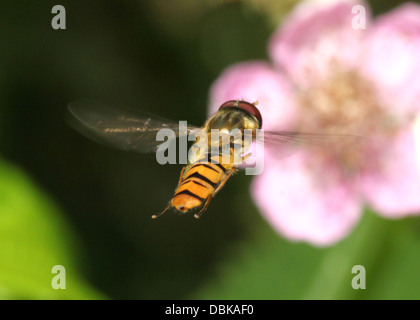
{"x": 65, "y": 200}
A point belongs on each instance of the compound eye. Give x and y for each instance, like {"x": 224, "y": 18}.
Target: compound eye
{"x": 230, "y": 103}
{"x": 244, "y": 105}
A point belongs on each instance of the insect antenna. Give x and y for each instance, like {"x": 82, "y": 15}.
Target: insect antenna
{"x": 164, "y": 210}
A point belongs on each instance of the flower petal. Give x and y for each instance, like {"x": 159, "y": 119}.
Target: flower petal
{"x": 393, "y": 187}
{"x": 416, "y": 128}
{"x": 392, "y": 58}
{"x": 301, "y": 208}
{"x": 257, "y": 81}
{"x": 318, "y": 38}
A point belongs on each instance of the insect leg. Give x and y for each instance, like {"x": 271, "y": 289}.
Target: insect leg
{"x": 181, "y": 175}
{"x": 220, "y": 186}
{"x": 246, "y": 157}
{"x": 169, "y": 204}
{"x": 206, "y": 204}
{"x": 164, "y": 210}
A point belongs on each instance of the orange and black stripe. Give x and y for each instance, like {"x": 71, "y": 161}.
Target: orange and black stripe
{"x": 200, "y": 181}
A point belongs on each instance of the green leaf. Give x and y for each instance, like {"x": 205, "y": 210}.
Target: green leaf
{"x": 389, "y": 250}
{"x": 34, "y": 237}
{"x": 263, "y": 265}
{"x": 396, "y": 275}
{"x": 266, "y": 266}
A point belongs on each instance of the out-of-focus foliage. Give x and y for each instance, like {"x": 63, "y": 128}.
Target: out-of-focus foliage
{"x": 265, "y": 267}
{"x": 274, "y": 10}
{"x": 77, "y": 197}
{"x": 417, "y": 138}
{"x": 34, "y": 237}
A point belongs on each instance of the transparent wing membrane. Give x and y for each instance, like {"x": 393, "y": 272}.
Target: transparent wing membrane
{"x": 136, "y": 131}
{"x": 120, "y": 128}
{"x": 285, "y": 143}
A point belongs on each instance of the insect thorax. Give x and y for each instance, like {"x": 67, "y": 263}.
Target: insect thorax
{"x": 232, "y": 118}
{"x": 227, "y": 136}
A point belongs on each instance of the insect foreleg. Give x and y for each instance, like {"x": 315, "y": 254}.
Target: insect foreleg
{"x": 246, "y": 157}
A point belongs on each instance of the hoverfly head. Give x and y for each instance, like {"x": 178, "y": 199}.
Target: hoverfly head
{"x": 245, "y": 106}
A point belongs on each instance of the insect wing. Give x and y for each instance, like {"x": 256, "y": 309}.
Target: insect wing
{"x": 125, "y": 130}
{"x": 286, "y": 143}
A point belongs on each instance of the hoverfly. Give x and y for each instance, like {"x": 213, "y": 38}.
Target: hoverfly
{"x": 203, "y": 177}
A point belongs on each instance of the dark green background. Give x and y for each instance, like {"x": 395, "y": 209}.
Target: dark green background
{"x": 95, "y": 203}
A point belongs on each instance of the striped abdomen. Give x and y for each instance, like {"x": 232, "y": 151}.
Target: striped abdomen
{"x": 198, "y": 183}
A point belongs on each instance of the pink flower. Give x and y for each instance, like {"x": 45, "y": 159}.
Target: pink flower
{"x": 328, "y": 77}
